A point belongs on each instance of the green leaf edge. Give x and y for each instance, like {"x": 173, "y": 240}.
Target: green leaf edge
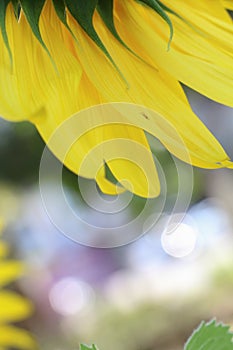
{"x": 207, "y": 324}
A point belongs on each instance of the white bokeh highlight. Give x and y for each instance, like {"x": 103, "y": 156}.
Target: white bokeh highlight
{"x": 179, "y": 239}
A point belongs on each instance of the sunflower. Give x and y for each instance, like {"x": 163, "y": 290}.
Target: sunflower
{"x": 62, "y": 56}
{"x": 13, "y": 307}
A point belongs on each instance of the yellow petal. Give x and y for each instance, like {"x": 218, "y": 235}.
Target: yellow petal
{"x": 13, "y": 307}
{"x": 189, "y": 140}
{"x": 14, "y": 337}
{"x": 216, "y": 9}
{"x": 9, "y": 271}
{"x": 200, "y": 55}
{"x": 228, "y": 4}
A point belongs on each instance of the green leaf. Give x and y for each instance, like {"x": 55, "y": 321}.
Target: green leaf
{"x": 3, "y": 7}
{"x": 85, "y": 347}
{"x": 158, "y": 7}
{"x": 210, "y": 336}
{"x": 83, "y": 12}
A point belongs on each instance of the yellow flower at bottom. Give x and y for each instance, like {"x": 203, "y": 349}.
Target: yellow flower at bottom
{"x": 13, "y": 307}
{"x": 147, "y": 78}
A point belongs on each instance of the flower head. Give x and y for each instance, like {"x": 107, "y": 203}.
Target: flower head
{"x": 58, "y": 58}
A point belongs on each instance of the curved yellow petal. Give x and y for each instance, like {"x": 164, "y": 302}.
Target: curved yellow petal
{"x": 188, "y": 140}
{"x": 13, "y": 307}
{"x": 14, "y": 337}
{"x": 9, "y": 271}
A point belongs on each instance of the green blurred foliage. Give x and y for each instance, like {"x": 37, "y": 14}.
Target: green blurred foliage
{"x": 20, "y": 151}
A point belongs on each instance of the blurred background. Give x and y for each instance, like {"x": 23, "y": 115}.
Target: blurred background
{"x": 148, "y": 294}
